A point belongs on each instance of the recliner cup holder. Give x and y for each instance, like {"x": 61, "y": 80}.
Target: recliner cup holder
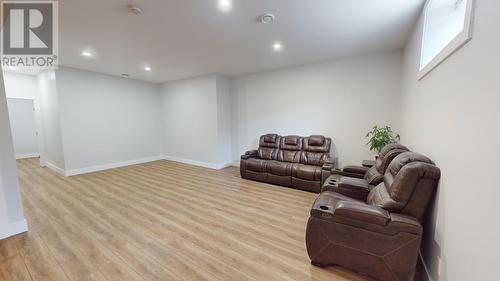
{"x": 323, "y": 207}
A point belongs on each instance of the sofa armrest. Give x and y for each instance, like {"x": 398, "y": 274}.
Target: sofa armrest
{"x": 327, "y": 168}
{"x": 359, "y": 211}
{"x": 329, "y": 164}
{"x": 249, "y": 154}
{"x": 353, "y": 169}
{"x": 353, "y": 187}
{"x": 403, "y": 223}
{"x": 346, "y": 174}
{"x": 337, "y": 208}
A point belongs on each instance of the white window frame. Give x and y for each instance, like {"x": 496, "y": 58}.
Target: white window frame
{"x": 454, "y": 45}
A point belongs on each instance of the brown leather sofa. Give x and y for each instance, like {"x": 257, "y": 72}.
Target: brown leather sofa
{"x": 380, "y": 235}
{"x": 291, "y": 161}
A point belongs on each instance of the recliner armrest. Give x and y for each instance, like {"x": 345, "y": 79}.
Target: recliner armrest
{"x": 353, "y": 169}
{"x": 361, "y": 212}
{"x": 346, "y": 174}
{"x": 328, "y": 167}
{"x": 249, "y": 154}
{"x": 337, "y": 208}
{"x": 329, "y": 164}
{"x": 353, "y": 187}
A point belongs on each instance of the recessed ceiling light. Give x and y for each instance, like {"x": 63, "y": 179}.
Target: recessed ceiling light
{"x": 277, "y": 46}
{"x": 266, "y": 18}
{"x": 87, "y": 54}
{"x": 147, "y": 68}
{"x": 225, "y": 5}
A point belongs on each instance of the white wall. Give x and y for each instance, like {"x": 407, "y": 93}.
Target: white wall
{"x": 453, "y": 116}
{"x": 22, "y": 124}
{"x": 190, "y": 119}
{"x": 224, "y": 119}
{"x": 107, "y": 120}
{"x": 11, "y": 210}
{"x": 21, "y": 85}
{"x": 341, "y": 99}
{"x": 52, "y": 151}
{"x": 196, "y": 119}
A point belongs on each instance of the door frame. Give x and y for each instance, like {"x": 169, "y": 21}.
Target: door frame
{"x": 38, "y": 126}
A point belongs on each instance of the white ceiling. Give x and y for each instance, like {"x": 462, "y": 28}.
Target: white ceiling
{"x": 188, "y": 38}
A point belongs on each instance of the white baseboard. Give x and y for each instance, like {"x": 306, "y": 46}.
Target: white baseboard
{"x": 214, "y": 166}
{"x": 103, "y": 167}
{"x": 12, "y": 229}
{"x": 427, "y": 272}
{"x": 25, "y": 156}
{"x": 224, "y": 165}
{"x": 55, "y": 168}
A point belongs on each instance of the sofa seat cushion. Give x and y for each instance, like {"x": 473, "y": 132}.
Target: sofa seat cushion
{"x": 307, "y": 172}
{"x": 279, "y": 168}
{"x": 256, "y": 165}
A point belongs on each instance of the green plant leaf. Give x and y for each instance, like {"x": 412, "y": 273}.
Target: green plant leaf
{"x": 379, "y": 137}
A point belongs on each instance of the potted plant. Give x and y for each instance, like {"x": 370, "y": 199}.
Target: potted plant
{"x": 380, "y": 137}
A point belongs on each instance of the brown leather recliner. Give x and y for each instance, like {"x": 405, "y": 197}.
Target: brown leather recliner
{"x": 291, "y": 161}
{"x": 359, "y": 185}
{"x": 379, "y": 236}
{"x": 375, "y": 174}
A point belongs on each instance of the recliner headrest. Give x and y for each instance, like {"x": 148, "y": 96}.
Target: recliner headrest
{"x": 316, "y": 140}
{"x": 386, "y": 149}
{"x": 405, "y": 158}
{"x": 292, "y": 140}
{"x": 291, "y": 143}
{"x": 317, "y": 144}
{"x": 270, "y": 140}
{"x": 387, "y": 154}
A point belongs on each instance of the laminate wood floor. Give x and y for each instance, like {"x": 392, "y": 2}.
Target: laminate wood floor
{"x": 159, "y": 221}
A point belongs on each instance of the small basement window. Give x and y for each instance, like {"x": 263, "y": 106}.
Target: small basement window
{"x": 447, "y": 27}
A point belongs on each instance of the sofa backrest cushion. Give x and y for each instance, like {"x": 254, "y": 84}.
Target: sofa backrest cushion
{"x": 409, "y": 184}
{"x": 375, "y": 174}
{"x": 269, "y": 146}
{"x": 270, "y": 140}
{"x": 316, "y": 150}
{"x": 290, "y": 149}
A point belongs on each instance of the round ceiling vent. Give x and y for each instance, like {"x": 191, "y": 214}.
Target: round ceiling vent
{"x": 125, "y": 75}
{"x": 266, "y": 18}
{"x": 134, "y": 10}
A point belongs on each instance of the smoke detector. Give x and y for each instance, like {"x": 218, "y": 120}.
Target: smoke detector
{"x": 266, "y": 18}
{"x": 134, "y": 10}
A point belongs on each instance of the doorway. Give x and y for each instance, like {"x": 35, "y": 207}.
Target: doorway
{"x": 23, "y": 127}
